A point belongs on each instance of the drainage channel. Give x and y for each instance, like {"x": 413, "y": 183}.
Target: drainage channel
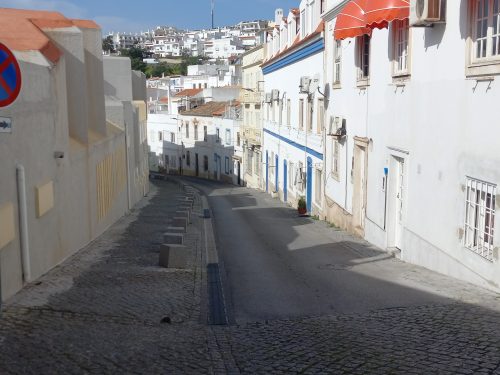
{"x": 216, "y": 307}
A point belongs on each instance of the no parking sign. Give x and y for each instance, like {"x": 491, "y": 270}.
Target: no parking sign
{"x": 10, "y": 77}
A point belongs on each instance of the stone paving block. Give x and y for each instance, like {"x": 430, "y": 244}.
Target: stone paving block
{"x": 173, "y": 238}
{"x": 173, "y": 256}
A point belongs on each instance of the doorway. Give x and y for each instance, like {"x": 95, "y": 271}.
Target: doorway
{"x": 285, "y": 181}
{"x": 309, "y": 185}
{"x": 239, "y": 173}
{"x": 397, "y": 197}
{"x": 197, "y": 165}
{"x": 360, "y": 163}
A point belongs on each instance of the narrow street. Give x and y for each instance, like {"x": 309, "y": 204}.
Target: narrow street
{"x": 299, "y": 296}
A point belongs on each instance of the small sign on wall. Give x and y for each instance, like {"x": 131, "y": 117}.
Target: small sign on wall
{"x": 5, "y": 125}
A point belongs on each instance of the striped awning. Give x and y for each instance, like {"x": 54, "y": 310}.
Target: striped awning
{"x": 360, "y": 17}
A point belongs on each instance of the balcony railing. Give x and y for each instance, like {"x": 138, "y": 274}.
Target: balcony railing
{"x": 251, "y": 97}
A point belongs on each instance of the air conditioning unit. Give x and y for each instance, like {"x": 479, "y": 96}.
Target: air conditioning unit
{"x": 268, "y": 98}
{"x": 304, "y": 85}
{"x": 427, "y": 12}
{"x": 276, "y": 94}
{"x": 337, "y": 127}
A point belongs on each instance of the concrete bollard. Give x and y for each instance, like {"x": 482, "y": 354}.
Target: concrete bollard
{"x": 180, "y": 222}
{"x": 173, "y": 238}
{"x": 184, "y": 213}
{"x": 173, "y": 256}
{"x": 178, "y": 230}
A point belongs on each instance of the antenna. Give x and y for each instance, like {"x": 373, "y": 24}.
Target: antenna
{"x": 213, "y": 6}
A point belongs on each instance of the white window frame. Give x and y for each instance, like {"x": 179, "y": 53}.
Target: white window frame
{"x": 228, "y": 136}
{"x": 479, "y": 223}
{"x": 337, "y": 63}
{"x": 335, "y": 153}
{"x": 363, "y": 42}
{"x": 490, "y": 63}
{"x": 301, "y": 114}
{"x": 318, "y": 186}
{"x": 401, "y": 48}
{"x": 288, "y": 112}
{"x": 291, "y": 176}
{"x": 320, "y": 121}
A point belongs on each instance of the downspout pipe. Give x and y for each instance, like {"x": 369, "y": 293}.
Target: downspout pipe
{"x": 23, "y": 223}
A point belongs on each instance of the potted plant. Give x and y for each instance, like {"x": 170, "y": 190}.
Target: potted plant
{"x": 301, "y": 207}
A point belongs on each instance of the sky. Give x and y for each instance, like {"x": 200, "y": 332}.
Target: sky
{"x": 141, "y": 15}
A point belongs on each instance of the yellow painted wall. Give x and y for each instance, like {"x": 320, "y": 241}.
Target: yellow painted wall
{"x": 111, "y": 180}
{"x": 7, "y": 227}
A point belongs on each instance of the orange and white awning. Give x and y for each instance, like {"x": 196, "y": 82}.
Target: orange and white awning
{"x": 360, "y": 17}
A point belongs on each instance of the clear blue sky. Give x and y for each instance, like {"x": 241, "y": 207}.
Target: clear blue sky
{"x": 137, "y": 15}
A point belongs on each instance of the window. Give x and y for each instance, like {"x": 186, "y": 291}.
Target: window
{"x": 249, "y": 161}
{"x": 320, "y": 124}
{"x": 226, "y": 165}
{"x": 484, "y": 44}
{"x": 480, "y": 217}
{"x": 280, "y": 114}
{"x": 271, "y": 167}
{"x": 238, "y": 139}
{"x": 335, "y": 152}
{"x": 205, "y": 134}
{"x": 303, "y": 24}
{"x": 228, "y": 136}
{"x": 337, "y": 62}
{"x": 217, "y": 135}
{"x": 187, "y": 129}
{"x": 272, "y": 111}
{"x": 188, "y": 158}
{"x": 257, "y": 163}
{"x": 195, "y": 132}
{"x": 363, "y": 45}
{"x": 301, "y": 114}
{"x": 318, "y": 186}
{"x": 291, "y": 178}
{"x": 160, "y": 136}
{"x": 288, "y": 112}
{"x": 301, "y": 177}
{"x": 205, "y": 163}
{"x": 401, "y": 31}
{"x": 172, "y": 137}
{"x": 310, "y": 110}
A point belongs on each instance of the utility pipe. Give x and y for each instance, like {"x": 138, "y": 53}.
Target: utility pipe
{"x": 23, "y": 223}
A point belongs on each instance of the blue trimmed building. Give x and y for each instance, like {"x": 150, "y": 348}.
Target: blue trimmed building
{"x": 294, "y": 107}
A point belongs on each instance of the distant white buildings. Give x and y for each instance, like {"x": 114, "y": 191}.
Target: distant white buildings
{"x": 221, "y": 43}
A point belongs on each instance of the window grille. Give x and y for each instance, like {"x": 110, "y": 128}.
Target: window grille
{"x": 480, "y": 217}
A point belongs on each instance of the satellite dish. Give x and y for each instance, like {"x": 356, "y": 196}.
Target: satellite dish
{"x": 314, "y": 84}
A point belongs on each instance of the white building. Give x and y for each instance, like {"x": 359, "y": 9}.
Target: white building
{"x": 251, "y": 102}
{"x": 293, "y": 115}
{"x": 418, "y": 167}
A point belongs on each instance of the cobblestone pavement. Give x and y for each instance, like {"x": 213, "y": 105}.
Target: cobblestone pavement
{"x": 110, "y": 309}
{"x": 101, "y": 311}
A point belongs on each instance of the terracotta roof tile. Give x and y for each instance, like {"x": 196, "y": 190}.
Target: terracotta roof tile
{"x": 22, "y": 30}
{"x": 210, "y": 109}
{"x": 189, "y": 92}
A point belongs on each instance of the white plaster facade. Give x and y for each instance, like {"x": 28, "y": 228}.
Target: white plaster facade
{"x": 292, "y": 121}
{"x": 413, "y": 140}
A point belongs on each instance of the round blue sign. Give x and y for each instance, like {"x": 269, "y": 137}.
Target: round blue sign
{"x": 10, "y": 77}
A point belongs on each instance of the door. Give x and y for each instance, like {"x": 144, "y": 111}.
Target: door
{"x": 239, "y": 173}
{"x": 285, "y": 181}
{"x": 197, "y": 165}
{"x": 359, "y": 185}
{"x": 309, "y": 185}
{"x": 399, "y": 200}
{"x": 267, "y": 171}
{"x": 276, "y": 180}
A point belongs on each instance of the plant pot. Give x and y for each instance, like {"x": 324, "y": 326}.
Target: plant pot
{"x": 302, "y": 211}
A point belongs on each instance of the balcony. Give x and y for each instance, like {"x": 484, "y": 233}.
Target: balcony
{"x": 252, "y": 135}
{"x": 251, "y": 97}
